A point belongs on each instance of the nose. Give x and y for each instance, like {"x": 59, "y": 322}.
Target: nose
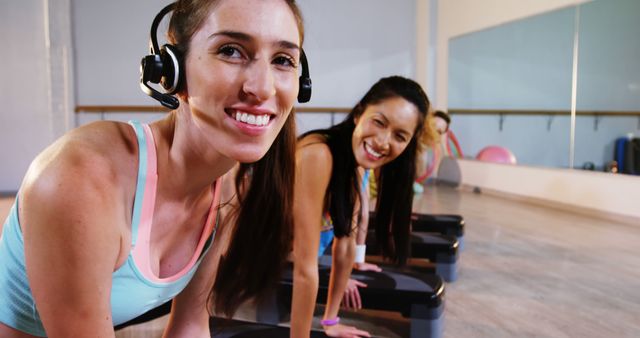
{"x": 382, "y": 140}
{"x": 259, "y": 82}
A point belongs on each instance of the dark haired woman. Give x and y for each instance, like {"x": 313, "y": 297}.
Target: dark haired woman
{"x": 381, "y": 132}
{"x": 115, "y": 219}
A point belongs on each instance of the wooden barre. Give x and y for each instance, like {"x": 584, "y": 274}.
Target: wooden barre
{"x": 455, "y": 111}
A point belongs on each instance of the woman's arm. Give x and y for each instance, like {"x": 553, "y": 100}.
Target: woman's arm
{"x": 189, "y": 311}
{"x": 72, "y": 217}
{"x": 343, "y": 254}
{"x": 313, "y": 171}
{"x": 363, "y": 228}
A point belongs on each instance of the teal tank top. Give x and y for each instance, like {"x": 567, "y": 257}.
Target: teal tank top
{"x": 134, "y": 289}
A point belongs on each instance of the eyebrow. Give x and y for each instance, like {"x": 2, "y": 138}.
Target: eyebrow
{"x": 248, "y": 38}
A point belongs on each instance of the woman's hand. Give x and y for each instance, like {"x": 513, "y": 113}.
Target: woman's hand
{"x": 344, "y": 331}
{"x": 351, "y": 299}
{"x": 364, "y": 266}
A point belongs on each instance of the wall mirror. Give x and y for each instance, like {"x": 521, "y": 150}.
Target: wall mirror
{"x": 558, "y": 89}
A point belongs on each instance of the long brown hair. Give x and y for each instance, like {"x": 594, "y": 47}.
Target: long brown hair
{"x": 263, "y": 229}
{"x": 263, "y": 232}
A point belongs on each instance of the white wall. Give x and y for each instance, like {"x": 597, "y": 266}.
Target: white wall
{"x": 351, "y": 44}
{"x": 110, "y": 38}
{"x": 24, "y": 92}
{"x": 348, "y": 48}
{"x": 34, "y": 91}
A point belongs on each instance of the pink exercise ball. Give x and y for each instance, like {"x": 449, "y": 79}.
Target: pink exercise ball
{"x": 496, "y": 154}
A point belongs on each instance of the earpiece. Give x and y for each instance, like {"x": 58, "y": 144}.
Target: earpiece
{"x": 304, "y": 93}
{"x": 163, "y": 66}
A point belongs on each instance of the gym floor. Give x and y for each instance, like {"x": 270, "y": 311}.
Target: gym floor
{"x": 526, "y": 271}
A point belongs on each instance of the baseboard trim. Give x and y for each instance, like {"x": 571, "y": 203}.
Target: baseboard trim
{"x": 601, "y": 214}
{"x": 8, "y": 193}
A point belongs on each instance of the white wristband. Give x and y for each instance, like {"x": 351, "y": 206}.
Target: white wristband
{"x": 360, "y": 253}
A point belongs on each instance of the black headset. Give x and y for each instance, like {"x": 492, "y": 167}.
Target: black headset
{"x": 164, "y": 66}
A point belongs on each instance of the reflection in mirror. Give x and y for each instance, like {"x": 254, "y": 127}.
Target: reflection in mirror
{"x": 511, "y": 85}
{"x": 609, "y": 87}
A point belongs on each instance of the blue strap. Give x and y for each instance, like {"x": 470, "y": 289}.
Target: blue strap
{"x": 365, "y": 179}
{"x": 142, "y": 179}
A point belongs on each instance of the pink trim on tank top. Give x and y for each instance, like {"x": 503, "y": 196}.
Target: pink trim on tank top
{"x": 142, "y": 251}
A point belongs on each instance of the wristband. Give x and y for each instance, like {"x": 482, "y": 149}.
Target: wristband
{"x": 360, "y": 253}
{"x": 330, "y": 322}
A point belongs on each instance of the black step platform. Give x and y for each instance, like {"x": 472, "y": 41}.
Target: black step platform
{"x": 452, "y": 225}
{"x": 152, "y": 314}
{"x": 231, "y": 328}
{"x": 446, "y": 224}
{"x": 419, "y": 297}
{"x": 224, "y": 327}
{"x": 441, "y": 250}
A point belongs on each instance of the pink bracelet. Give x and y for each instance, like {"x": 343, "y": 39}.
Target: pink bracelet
{"x": 330, "y": 322}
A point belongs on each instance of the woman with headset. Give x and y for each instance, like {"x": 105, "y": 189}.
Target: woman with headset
{"x": 381, "y": 132}
{"x": 114, "y": 219}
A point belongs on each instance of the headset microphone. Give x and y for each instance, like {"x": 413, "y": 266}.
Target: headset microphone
{"x": 164, "y": 66}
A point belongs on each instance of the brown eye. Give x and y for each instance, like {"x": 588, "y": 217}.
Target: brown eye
{"x": 284, "y": 61}
{"x": 230, "y": 52}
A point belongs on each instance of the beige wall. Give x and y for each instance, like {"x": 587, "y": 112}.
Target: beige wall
{"x": 607, "y": 193}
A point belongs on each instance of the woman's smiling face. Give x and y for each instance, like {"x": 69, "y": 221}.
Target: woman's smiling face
{"x": 383, "y": 131}
{"x": 242, "y": 75}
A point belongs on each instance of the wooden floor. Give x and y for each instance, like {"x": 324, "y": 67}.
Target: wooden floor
{"x": 531, "y": 271}
{"x": 528, "y": 271}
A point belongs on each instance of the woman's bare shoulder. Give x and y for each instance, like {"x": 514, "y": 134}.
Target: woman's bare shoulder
{"x": 81, "y": 186}
{"x": 314, "y": 147}
{"x": 314, "y": 158}
{"x": 312, "y": 139}
{"x": 98, "y": 159}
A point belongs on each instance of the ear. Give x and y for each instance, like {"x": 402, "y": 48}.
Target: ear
{"x": 357, "y": 117}
{"x": 359, "y": 111}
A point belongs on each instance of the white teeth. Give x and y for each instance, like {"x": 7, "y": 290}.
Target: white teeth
{"x": 371, "y": 151}
{"x": 256, "y": 120}
{"x": 251, "y": 119}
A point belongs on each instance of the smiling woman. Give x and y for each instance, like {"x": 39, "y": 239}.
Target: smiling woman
{"x": 381, "y": 132}
{"x": 115, "y": 219}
